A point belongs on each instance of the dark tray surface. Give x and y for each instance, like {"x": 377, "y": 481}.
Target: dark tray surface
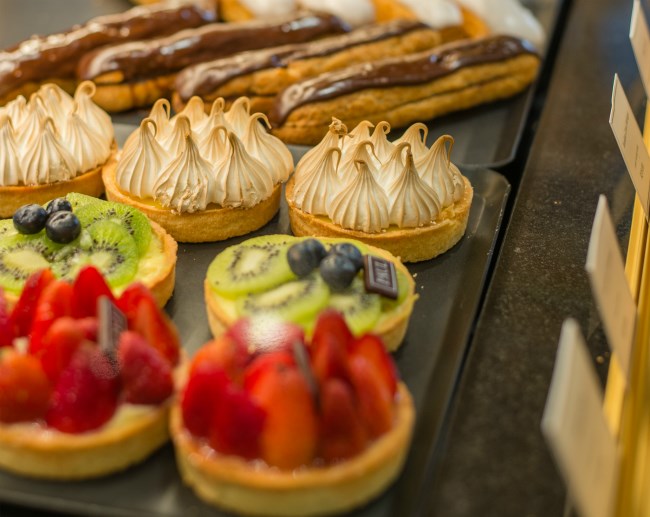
{"x": 449, "y": 286}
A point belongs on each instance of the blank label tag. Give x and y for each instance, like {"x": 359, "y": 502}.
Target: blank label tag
{"x": 609, "y": 285}
{"x": 640, "y": 38}
{"x": 630, "y": 142}
{"x": 575, "y": 428}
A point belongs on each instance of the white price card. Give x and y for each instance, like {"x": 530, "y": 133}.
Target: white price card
{"x": 609, "y": 284}
{"x": 640, "y": 38}
{"x": 630, "y": 142}
{"x": 575, "y": 428}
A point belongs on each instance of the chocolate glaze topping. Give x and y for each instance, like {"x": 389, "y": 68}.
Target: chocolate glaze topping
{"x": 204, "y": 78}
{"x": 415, "y": 69}
{"x": 56, "y": 55}
{"x": 163, "y": 56}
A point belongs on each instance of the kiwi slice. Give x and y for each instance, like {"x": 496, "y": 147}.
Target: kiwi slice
{"x": 360, "y": 309}
{"x": 402, "y": 292}
{"x": 21, "y": 255}
{"x": 7, "y": 228}
{"x": 105, "y": 244}
{"x": 295, "y": 300}
{"x": 134, "y": 221}
{"x": 254, "y": 266}
{"x": 77, "y": 200}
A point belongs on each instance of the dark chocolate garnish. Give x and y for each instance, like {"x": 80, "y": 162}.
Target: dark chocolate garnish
{"x": 112, "y": 322}
{"x": 380, "y": 276}
{"x": 303, "y": 364}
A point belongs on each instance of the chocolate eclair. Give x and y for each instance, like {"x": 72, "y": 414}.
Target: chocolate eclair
{"x": 261, "y": 74}
{"x": 46, "y": 59}
{"x": 402, "y": 90}
{"x": 136, "y": 74}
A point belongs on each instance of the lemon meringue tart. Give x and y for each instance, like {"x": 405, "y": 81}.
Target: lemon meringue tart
{"x": 52, "y": 145}
{"x": 401, "y": 196}
{"x": 202, "y": 177}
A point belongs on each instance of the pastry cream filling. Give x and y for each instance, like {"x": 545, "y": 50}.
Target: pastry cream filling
{"x": 436, "y": 13}
{"x": 226, "y": 159}
{"x": 52, "y": 137}
{"x": 356, "y": 13}
{"x": 378, "y": 184}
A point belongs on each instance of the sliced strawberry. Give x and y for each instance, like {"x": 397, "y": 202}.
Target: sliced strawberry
{"x": 89, "y": 327}
{"x": 290, "y": 434}
{"x": 331, "y": 323}
{"x": 157, "y": 329}
{"x": 226, "y": 353}
{"x": 263, "y": 362}
{"x": 342, "y": 432}
{"x": 372, "y": 348}
{"x": 202, "y": 394}
{"x": 238, "y": 424}
{"x": 86, "y": 393}
{"x": 55, "y": 302}
{"x": 146, "y": 375}
{"x": 23, "y": 313}
{"x": 6, "y": 327}
{"x": 87, "y": 288}
{"x": 24, "y": 388}
{"x": 130, "y": 299}
{"x": 261, "y": 335}
{"x": 58, "y": 346}
{"x": 329, "y": 358}
{"x": 375, "y": 401}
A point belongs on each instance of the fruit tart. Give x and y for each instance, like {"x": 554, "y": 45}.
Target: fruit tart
{"x": 52, "y": 145}
{"x": 69, "y": 233}
{"x": 86, "y": 380}
{"x": 293, "y": 279}
{"x": 400, "y": 196}
{"x": 291, "y": 430}
{"x": 202, "y": 177}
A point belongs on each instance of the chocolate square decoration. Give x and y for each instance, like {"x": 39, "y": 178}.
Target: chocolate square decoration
{"x": 112, "y": 322}
{"x": 380, "y": 276}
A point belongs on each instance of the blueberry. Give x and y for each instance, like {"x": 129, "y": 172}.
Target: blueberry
{"x": 30, "y": 219}
{"x": 305, "y": 256}
{"x": 60, "y": 204}
{"x": 338, "y": 271}
{"x": 350, "y": 251}
{"x": 63, "y": 227}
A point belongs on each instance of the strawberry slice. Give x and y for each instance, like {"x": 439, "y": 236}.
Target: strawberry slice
{"x": 87, "y": 288}
{"x": 328, "y": 358}
{"x": 86, "y": 393}
{"x": 331, "y": 323}
{"x": 157, "y": 329}
{"x": 24, "y": 388}
{"x": 201, "y": 396}
{"x": 55, "y": 302}
{"x": 23, "y": 313}
{"x": 375, "y": 401}
{"x": 6, "y": 326}
{"x": 372, "y": 348}
{"x": 146, "y": 375}
{"x": 237, "y": 424}
{"x": 130, "y": 299}
{"x": 262, "y": 362}
{"x": 342, "y": 432}
{"x": 225, "y": 353}
{"x": 58, "y": 346}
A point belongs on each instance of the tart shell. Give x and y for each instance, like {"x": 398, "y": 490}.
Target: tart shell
{"x": 256, "y": 489}
{"x": 410, "y": 244}
{"x": 213, "y": 224}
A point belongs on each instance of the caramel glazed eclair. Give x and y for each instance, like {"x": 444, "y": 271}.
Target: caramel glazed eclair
{"x": 54, "y": 58}
{"x": 402, "y": 196}
{"x": 261, "y": 74}
{"x": 136, "y": 74}
{"x": 420, "y": 86}
{"x": 202, "y": 177}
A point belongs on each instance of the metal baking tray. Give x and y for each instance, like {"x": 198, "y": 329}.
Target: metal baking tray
{"x": 486, "y": 136}
{"x": 429, "y": 360}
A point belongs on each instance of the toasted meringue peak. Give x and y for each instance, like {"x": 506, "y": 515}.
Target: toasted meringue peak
{"x": 11, "y": 172}
{"x": 216, "y": 148}
{"x": 333, "y": 138}
{"x": 175, "y": 142}
{"x": 238, "y": 114}
{"x": 242, "y": 180}
{"x": 267, "y": 148}
{"x": 362, "y": 204}
{"x": 437, "y": 171}
{"x": 85, "y": 144}
{"x": 142, "y": 162}
{"x": 383, "y": 148}
{"x": 365, "y": 152}
{"x": 356, "y": 136}
{"x": 215, "y": 119}
{"x": 194, "y": 110}
{"x": 160, "y": 114}
{"x": 413, "y": 202}
{"x": 17, "y": 110}
{"x": 416, "y": 135}
{"x": 96, "y": 118}
{"x": 32, "y": 124}
{"x": 58, "y": 103}
{"x": 316, "y": 187}
{"x": 393, "y": 167}
{"x": 183, "y": 185}
{"x": 46, "y": 160}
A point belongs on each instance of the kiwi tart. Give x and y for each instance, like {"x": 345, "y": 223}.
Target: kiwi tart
{"x": 293, "y": 279}
{"x": 117, "y": 239}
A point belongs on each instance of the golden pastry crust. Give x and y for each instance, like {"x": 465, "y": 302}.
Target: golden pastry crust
{"x": 34, "y": 451}
{"x": 213, "y": 224}
{"x": 26, "y": 89}
{"x": 391, "y": 327}
{"x": 234, "y": 11}
{"x": 115, "y": 96}
{"x": 400, "y": 106}
{"x": 89, "y": 183}
{"x": 232, "y": 483}
{"x": 409, "y": 244}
